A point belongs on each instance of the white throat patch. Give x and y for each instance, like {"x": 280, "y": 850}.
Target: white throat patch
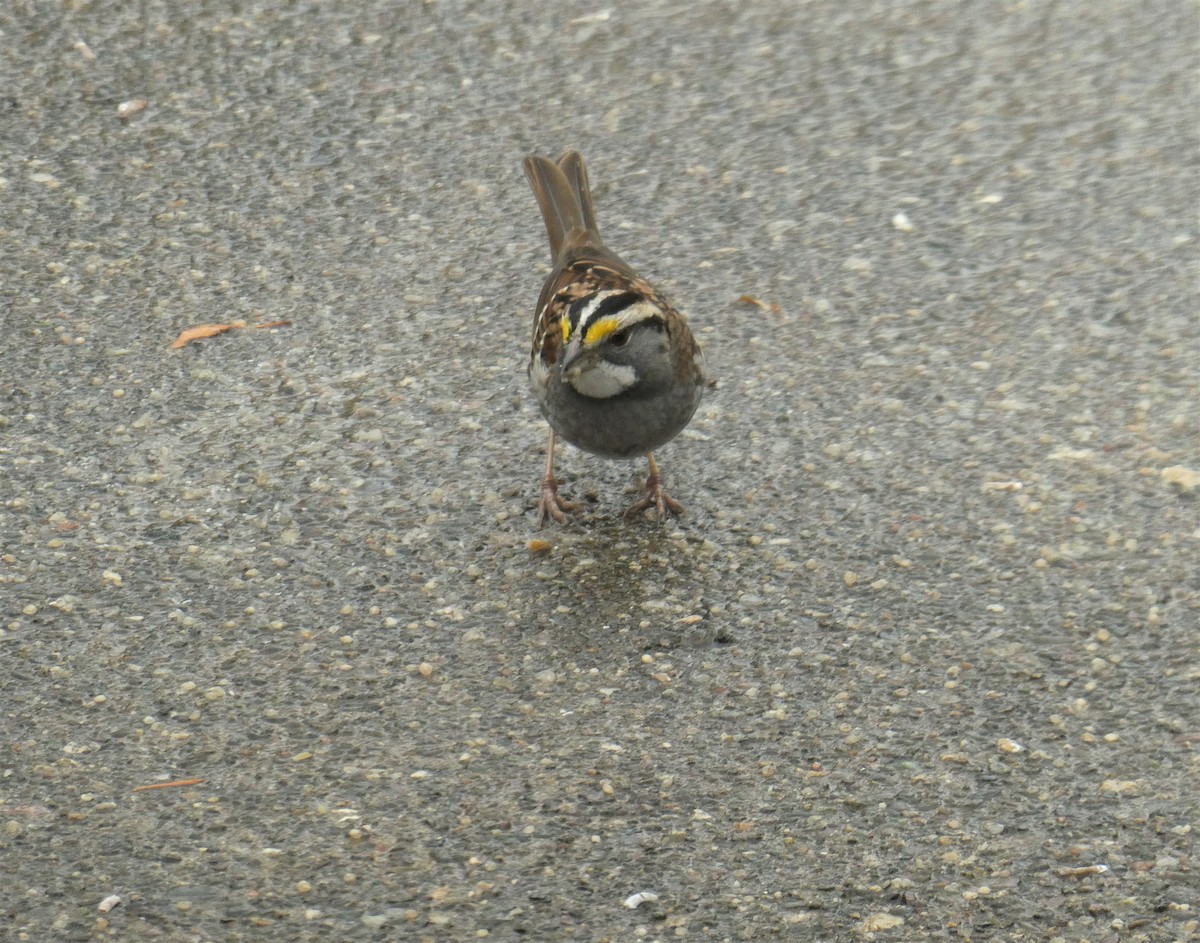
{"x": 601, "y": 379}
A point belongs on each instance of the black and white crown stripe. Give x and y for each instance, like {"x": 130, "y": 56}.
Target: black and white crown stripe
{"x": 589, "y": 309}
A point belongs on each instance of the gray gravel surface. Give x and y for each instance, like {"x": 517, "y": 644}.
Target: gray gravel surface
{"x": 919, "y": 662}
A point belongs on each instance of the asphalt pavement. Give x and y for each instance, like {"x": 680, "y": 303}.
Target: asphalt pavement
{"x": 920, "y": 660}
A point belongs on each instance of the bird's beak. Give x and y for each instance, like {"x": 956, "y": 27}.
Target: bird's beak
{"x": 570, "y": 355}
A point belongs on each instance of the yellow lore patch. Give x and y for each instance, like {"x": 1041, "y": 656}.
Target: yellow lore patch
{"x": 565, "y": 323}
{"x": 600, "y": 330}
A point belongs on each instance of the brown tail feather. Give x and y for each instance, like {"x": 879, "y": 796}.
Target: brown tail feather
{"x": 556, "y": 198}
{"x": 573, "y": 167}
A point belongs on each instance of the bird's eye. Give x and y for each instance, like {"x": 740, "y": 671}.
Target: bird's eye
{"x": 620, "y": 338}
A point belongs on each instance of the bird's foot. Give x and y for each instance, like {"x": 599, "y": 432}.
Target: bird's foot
{"x": 653, "y": 496}
{"x": 551, "y": 503}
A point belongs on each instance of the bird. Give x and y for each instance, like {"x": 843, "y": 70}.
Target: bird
{"x": 614, "y": 366}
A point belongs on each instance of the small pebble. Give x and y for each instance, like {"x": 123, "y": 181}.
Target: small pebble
{"x": 633, "y": 901}
{"x": 127, "y": 109}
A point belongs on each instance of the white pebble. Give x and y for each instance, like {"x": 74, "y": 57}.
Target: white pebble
{"x": 633, "y": 901}
{"x": 127, "y": 109}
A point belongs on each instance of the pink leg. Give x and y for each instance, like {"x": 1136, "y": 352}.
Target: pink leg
{"x": 550, "y": 504}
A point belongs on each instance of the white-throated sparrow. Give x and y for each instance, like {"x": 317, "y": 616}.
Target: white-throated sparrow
{"x": 614, "y": 366}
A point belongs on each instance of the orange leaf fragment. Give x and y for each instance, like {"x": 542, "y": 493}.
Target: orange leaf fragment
{"x": 170, "y": 785}
{"x": 772, "y": 306}
{"x": 201, "y": 331}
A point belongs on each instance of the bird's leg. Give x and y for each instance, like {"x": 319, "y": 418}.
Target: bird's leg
{"x": 653, "y": 495}
{"x": 551, "y": 504}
